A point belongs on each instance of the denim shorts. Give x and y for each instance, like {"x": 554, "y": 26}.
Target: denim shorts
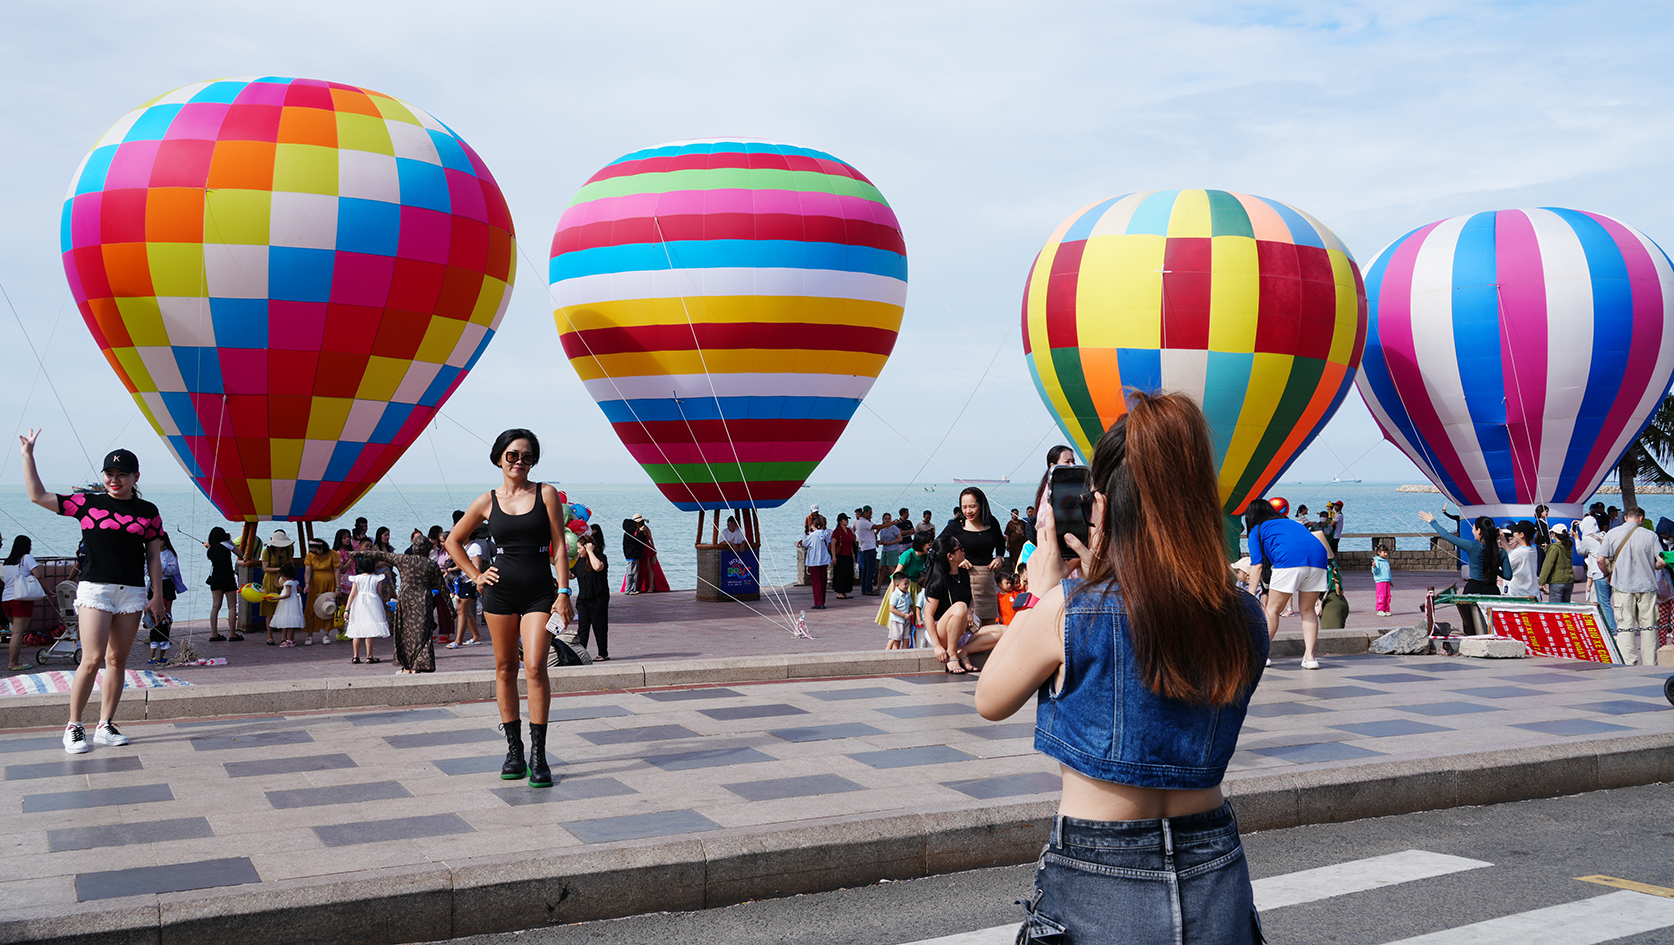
{"x": 1180, "y": 880}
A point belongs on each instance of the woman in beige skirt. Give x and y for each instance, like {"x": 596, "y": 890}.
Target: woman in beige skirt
{"x": 985, "y": 546}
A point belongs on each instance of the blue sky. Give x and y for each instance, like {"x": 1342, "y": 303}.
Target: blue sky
{"x": 984, "y": 125}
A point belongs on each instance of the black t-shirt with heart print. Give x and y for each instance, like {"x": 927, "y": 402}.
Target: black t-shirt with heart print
{"x": 115, "y": 533}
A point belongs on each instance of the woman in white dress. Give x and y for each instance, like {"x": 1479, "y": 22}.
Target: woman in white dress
{"x": 368, "y": 617}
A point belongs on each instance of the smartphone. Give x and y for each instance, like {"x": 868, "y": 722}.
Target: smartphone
{"x": 1072, "y": 505}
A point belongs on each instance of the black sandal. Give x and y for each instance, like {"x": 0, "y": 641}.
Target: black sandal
{"x": 355, "y": 660}
{"x": 217, "y": 639}
{"x": 373, "y": 659}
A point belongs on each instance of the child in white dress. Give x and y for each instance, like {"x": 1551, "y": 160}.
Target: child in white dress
{"x": 287, "y": 616}
{"x": 368, "y": 617}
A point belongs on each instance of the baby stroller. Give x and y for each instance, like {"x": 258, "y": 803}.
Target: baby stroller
{"x": 68, "y": 642}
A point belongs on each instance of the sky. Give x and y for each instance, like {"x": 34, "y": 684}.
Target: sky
{"x": 984, "y": 124}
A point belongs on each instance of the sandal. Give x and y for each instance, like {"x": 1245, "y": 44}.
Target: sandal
{"x": 217, "y": 639}
{"x": 355, "y": 660}
{"x": 271, "y": 643}
{"x": 373, "y": 659}
{"x": 452, "y": 646}
{"x": 954, "y": 667}
{"x": 236, "y": 637}
{"x": 19, "y": 667}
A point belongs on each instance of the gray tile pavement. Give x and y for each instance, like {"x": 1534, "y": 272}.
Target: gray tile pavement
{"x": 309, "y": 795}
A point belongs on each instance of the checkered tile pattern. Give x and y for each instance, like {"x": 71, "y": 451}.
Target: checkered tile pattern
{"x": 291, "y": 276}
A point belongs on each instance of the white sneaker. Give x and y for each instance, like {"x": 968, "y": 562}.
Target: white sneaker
{"x": 106, "y": 734}
{"x": 75, "y": 740}
{"x": 1310, "y": 664}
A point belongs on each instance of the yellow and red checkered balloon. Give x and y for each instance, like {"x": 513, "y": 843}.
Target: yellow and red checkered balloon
{"x": 291, "y": 277}
{"x": 1251, "y": 307}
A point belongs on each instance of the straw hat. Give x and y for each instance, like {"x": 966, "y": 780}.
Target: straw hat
{"x": 280, "y": 539}
{"x": 325, "y": 606}
{"x": 638, "y": 517}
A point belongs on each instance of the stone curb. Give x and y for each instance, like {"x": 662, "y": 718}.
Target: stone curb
{"x": 511, "y": 892}
{"x": 316, "y": 695}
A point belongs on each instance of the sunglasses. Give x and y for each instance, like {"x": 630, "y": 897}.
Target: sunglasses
{"x": 513, "y": 457}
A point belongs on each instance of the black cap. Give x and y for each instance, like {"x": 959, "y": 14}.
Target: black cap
{"x": 122, "y": 461}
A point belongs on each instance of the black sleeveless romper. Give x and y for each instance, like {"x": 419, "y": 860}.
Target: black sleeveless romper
{"x": 523, "y": 559}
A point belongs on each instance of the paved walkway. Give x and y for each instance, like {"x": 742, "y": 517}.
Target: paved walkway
{"x": 278, "y": 803}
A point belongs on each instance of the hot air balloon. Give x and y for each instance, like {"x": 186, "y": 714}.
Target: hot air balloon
{"x": 1248, "y": 305}
{"x": 291, "y": 277}
{"x": 728, "y": 302}
{"x": 1514, "y": 354}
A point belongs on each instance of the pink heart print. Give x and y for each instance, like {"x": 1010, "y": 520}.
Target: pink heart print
{"x": 97, "y": 514}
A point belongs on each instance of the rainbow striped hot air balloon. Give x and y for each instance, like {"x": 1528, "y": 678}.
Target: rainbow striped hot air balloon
{"x": 1250, "y": 306}
{"x": 728, "y": 302}
{"x": 1515, "y": 354}
{"x": 291, "y": 277}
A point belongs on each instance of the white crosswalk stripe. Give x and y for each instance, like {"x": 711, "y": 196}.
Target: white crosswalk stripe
{"x": 1586, "y": 922}
{"x": 1276, "y": 892}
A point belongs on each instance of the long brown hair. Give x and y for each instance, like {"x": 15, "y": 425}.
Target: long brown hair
{"x": 1161, "y": 543}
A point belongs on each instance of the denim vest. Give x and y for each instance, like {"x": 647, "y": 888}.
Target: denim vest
{"x": 1108, "y": 725}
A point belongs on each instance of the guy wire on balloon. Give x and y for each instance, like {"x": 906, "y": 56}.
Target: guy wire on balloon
{"x": 558, "y": 307}
{"x": 785, "y": 610}
{"x": 714, "y": 395}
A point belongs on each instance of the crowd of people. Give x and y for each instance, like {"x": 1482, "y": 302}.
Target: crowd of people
{"x": 1614, "y": 554}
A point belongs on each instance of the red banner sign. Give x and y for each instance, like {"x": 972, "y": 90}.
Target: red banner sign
{"x": 1575, "y": 634}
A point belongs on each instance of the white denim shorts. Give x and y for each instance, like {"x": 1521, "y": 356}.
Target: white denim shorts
{"x": 1293, "y": 580}
{"x": 110, "y": 598}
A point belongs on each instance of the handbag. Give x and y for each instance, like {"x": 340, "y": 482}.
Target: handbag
{"x": 21, "y": 584}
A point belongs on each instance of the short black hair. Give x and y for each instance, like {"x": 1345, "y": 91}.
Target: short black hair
{"x": 507, "y": 438}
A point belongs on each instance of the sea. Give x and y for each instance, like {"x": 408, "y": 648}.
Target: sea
{"x": 1371, "y": 507}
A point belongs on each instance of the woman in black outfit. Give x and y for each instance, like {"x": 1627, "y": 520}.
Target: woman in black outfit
{"x": 985, "y": 546}
{"x": 592, "y": 593}
{"x": 519, "y": 596}
{"x": 223, "y": 584}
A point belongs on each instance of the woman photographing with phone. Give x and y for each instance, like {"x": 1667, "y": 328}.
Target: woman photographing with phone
{"x": 111, "y": 593}
{"x": 519, "y": 595}
{"x": 1143, "y": 671}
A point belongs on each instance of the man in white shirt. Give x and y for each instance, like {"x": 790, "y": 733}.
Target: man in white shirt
{"x": 866, "y": 540}
{"x": 1635, "y": 557}
{"x": 732, "y": 534}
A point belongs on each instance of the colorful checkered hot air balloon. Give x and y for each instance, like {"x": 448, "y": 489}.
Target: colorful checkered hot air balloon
{"x": 291, "y": 277}
{"x": 1248, "y": 305}
{"x": 1514, "y": 354}
{"x": 728, "y": 302}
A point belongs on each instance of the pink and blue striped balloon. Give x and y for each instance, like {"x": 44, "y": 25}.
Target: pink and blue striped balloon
{"x": 1514, "y": 354}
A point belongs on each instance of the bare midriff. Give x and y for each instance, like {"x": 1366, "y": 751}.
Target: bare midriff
{"x": 1091, "y": 799}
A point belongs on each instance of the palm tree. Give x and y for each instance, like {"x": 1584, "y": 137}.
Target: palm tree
{"x": 1649, "y": 459}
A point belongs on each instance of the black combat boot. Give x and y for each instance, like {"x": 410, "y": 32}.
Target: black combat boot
{"x": 539, "y": 774}
{"x": 514, "y": 769}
